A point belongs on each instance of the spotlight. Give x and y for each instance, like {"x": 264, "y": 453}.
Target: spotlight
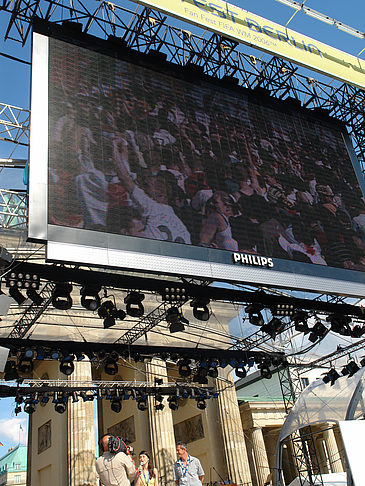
{"x": 22, "y": 281}
{"x": 340, "y": 324}
{"x": 213, "y": 372}
{"x": 201, "y": 404}
{"x": 116, "y": 405}
{"x": 241, "y": 372}
{"x": 25, "y": 365}
{"x": 109, "y": 312}
{"x": 357, "y": 331}
{"x": 173, "y": 403}
{"x": 67, "y": 366}
{"x": 175, "y": 320}
{"x": 10, "y": 371}
{"x": 60, "y": 407}
{"x": 79, "y": 355}
{"x": 86, "y": 397}
{"x": 254, "y": 314}
{"x": 61, "y": 298}
{"x": 265, "y": 371}
{"x": 184, "y": 368}
{"x": 200, "y": 309}
{"x": 17, "y": 295}
{"x": 29, "y": 406}
{"x": 350, "y": 369}
{"x": 331, "y": 376}
{"x": 134, "y": 307}
{"x": 158, "y": 381}
{"x": 90, "y": 298}
{"x": 201, "y": 376}
{"x": 142, "y": 404}
{"x": 158, "y": 402}
{"x": 300, "y": 319}
{"x": 274, "y": 327}
{"x": 40, "y": 354}
{"x": 55, "y": 354}
{"x": 75, "y": 397}
{"x": 34, "y": 296}
{"x": 317, "y": 332}
{"x": 110, "y": 366}
{"x": 29, "y": 353}
{"x": 45, "y": 399}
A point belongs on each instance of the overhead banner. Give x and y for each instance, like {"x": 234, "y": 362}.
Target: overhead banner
{"x": 253, "y": 30}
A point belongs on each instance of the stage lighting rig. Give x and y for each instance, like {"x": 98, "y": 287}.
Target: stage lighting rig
{"x": 176, "y": 320}
{"x": 142, "y": 404}
{"x": 25, "y": 365}
{"x": 240, "y": 372}
{"x": 201, "y": 403}
{"x": 200, "y": 308}
{"x": 174, "y": 294}
{"x": 255, "y": 316}
{"x": 67, "y": 366}
{"x": 22, "y": 280}
{"x": 110, "y": 366}
{"x": 110, "y": 313}
{"x": 274, "y": 327}
{"x": 15, "y": 293}
{"x": 340, "y": 324}
{"x": 283, "y": 310}
{"x": 34, "y": 296}
{"x": 116, "y": 405}
{"x": 317, "y": 332}
{"x": 90, "y": 298}
{"x": 357, "y": 331}
{"x": 61, "y": 296}
{"x": 184, "y": 368}
{"x": 350, "y": 369}
{"x": 134, "y": 306}
{"x": 10, "y": 371}
{"x": 300, "y": 319}
{"x": 29, "y": 406}
{"x": 173, "y": 402}
{"x": 331, "y": 376}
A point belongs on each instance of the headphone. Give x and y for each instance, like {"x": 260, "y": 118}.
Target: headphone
{"x": 101, "y": 440}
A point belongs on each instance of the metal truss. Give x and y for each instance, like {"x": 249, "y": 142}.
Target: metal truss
{"x": 218, "y": 56}
{"x": 13, "y": 209}
{"x": 32, "y": 313}
{"x": 14, "y": 124}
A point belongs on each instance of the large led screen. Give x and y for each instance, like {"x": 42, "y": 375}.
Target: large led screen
{"x": 153, "y": 168}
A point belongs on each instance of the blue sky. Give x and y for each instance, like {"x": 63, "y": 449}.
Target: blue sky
{"x": 15, "y": 90}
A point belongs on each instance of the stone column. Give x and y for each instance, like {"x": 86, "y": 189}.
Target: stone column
{"x": 161, "y": 427}
{"x": 332, "y": 451}
{"x": 234, "y": 445}
{"x": 81, "y": 434}
{"x": 259, "y": 452}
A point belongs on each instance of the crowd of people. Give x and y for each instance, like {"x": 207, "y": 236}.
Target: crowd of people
{"x": 144, "y": 154}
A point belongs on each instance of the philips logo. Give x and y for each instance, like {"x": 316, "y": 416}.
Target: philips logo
{"x": 247, "y": 259}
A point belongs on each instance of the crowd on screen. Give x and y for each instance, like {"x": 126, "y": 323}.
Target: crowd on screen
{"x": 154, "y": 157}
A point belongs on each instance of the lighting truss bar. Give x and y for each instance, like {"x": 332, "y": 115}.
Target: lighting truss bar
{"x": 13, "y": 391}
{"x": 147, "y": 323}
{"x": 14, "y": 124}
{"x": 18, "y": 345}
{"x": 13, "y": 163}
{"x": 54, "y": 273}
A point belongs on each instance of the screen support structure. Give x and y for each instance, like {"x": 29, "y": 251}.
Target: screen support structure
{"x": 148, "y": 31}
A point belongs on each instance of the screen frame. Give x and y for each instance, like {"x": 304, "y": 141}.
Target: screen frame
{"x": 73, "y": 245}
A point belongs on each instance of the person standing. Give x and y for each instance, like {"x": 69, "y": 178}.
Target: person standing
{"x": 114, "y": 469}
{"x": 147, "y": 475}
{"x": 187, "y": 469}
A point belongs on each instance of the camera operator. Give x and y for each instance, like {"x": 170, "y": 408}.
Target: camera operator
{"x": 114, "y": 468}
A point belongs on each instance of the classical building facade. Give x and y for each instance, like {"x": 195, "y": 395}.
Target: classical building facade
{"x": 235, "y": 439}
{"x": 13, "y": 467}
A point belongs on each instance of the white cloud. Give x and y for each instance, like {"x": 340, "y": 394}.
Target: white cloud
{"x": 11, "y": 431}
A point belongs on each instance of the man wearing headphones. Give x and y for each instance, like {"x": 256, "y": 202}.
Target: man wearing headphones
{"x": 114, "y": 469}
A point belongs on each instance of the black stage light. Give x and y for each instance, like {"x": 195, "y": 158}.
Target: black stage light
{"x": 109, "y": 312}
{"x": 110, "y": 366}
{"x": 201, "y": 376}
{"x": 241, "y": 372}
{"x": 55, "y": 354}
{"x": 357, "y": 331}
{"x": 79, "y": 355}
{"x": 17, "y": 295}
{"x": 283, "y": 310}
{"x": 274, "y": 327}
{"x": 213, "y": 372}
{"x": 22, "y": 281}
{"x": 67, "y": 366}
{"x": 116, "y": 405}
{"x": 40, "y": 353}
{"x": 90, "y": 298}
{"x": 184, "y": 368}
{"x": 362, "y": 362}
{"x": 134, "y": 307}
{"x": 300, "y": 319}
{"x": 331, "y": 376}
{"x": 340, "y": 324}
{"x": 86, "y": 397}
{"x": 29, "y": 406}
{"x": 25, "y": 365}
{"x": 265, "y": 371}
{"x": 175, "y": 320}
{"x": 201, "y": 404}
{"x": 158, "y": 402}
{"x": 29, "y": 353}
{"x": 318, "y": 331}
{"x": 10, "y": 371}
{"x": 142, "y": 404}
{"x": 61, "y": 298}
{"x": 173, "y": 403}
{"x": 254, "y": 314}
{"x": 158, "y": 381}
{"x": 75, "y": 397}
{"x": 34, "y": 296}
{"x": 200, "y": 308}
{"x": 60, "y": 407}
{"x": 159, "y": 406}
{"x": 45, "y": 398}
{"x": 350, "y": 369}
{"x": 174, "y": 294}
